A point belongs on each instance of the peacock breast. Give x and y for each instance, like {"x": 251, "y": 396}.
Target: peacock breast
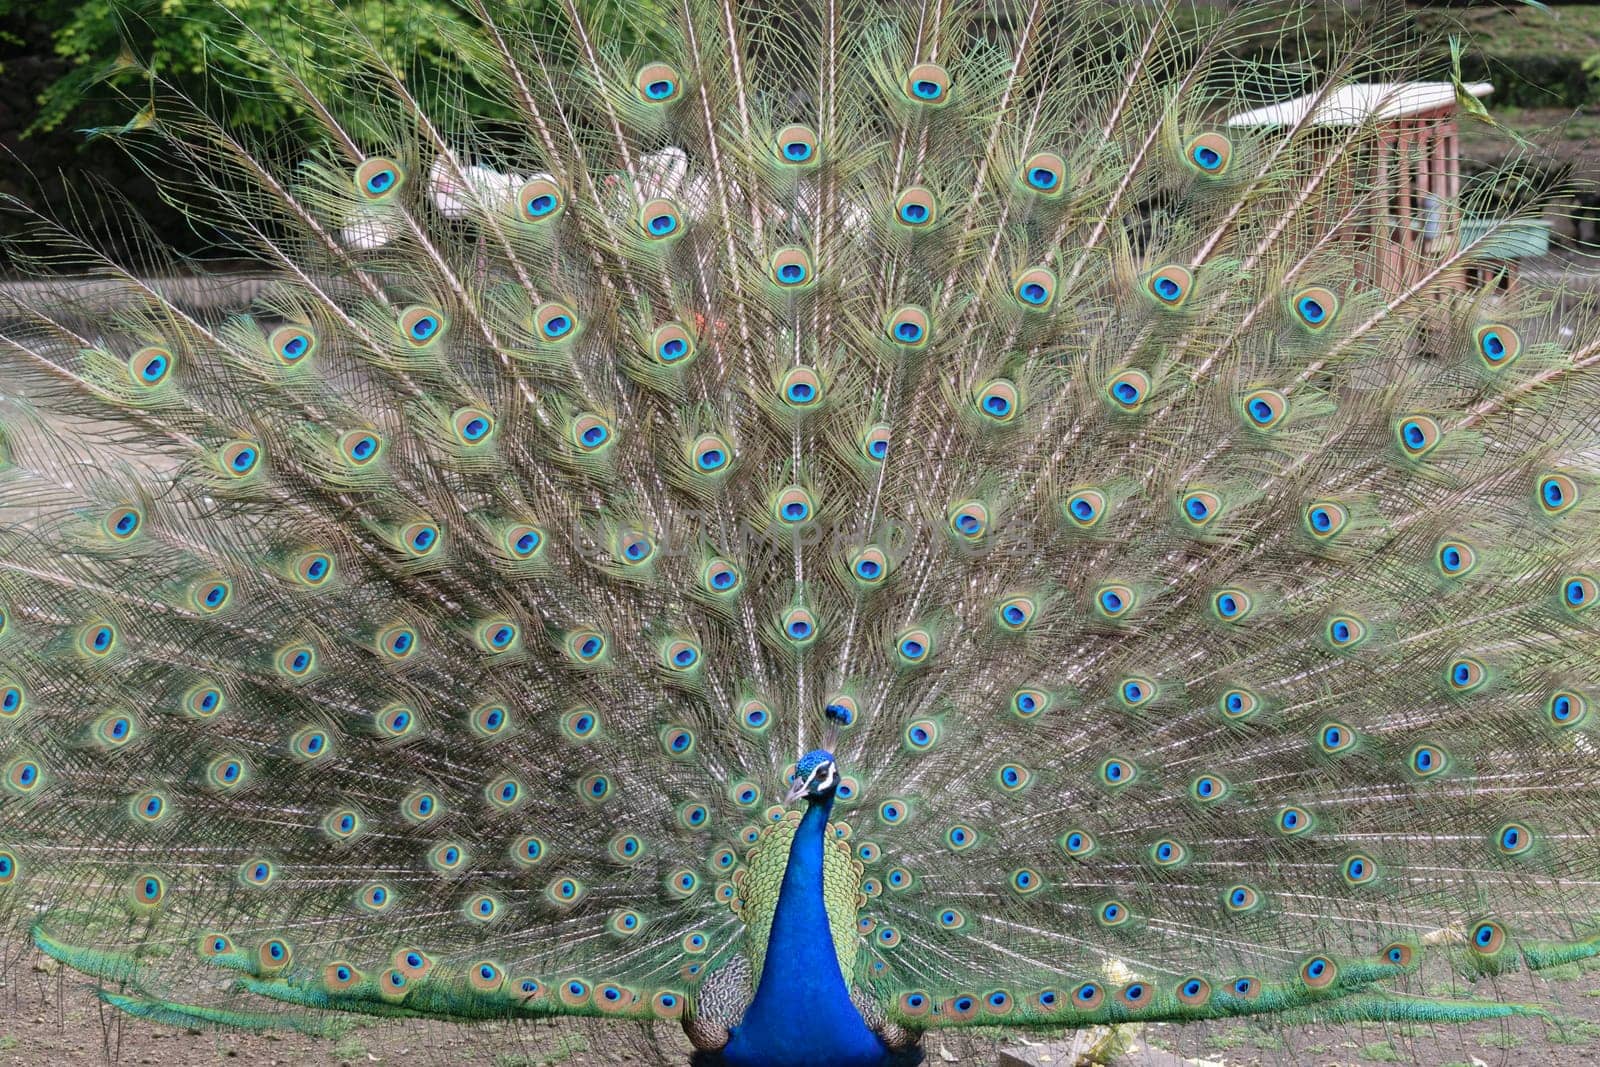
{"x": 758, "y": 882}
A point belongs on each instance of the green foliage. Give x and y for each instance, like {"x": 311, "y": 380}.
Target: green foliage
{"x": 219, "y": 49}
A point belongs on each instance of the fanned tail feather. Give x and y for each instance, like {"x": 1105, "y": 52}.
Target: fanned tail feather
{"x": 1201, "y": 618}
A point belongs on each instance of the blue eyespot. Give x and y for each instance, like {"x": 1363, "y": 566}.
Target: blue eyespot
{"x": 1042, "y": 178}
{"x": 1311, "y": 310}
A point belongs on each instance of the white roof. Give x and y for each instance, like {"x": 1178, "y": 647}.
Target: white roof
{"x": 1350, "y": 105}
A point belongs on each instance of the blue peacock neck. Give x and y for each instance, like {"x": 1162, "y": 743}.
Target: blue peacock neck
{"x": 802, "y": 1013}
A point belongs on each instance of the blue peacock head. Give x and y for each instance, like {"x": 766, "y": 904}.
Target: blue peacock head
{"x": 815, "y": 777}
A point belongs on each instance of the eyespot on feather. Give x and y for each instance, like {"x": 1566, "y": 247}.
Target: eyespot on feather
{"x": 793, "y": 506}
{"x": 1114, "y": 600}
{"x": 1264, "y": 409}
{"x": 1199, "y": 508}
{"x": 797, "y": 145}
{"x": 657, "y": 83}
{"x": 672, "y": 345}
{"x": 1085, "y": 507}
{"x": 210, "y": 595}
{"x": 1358, "y": 869}
{"x": 1044, "y": 173}
{"x": 378, "y": 178}
{"x": 1417, "y": 435}
{"x": 1035, "y": 288}
{"x": 1315, "y": 307}
{"x": 660, "y": 220}
{"x": 1238, "y": 704}
{"x": 1194, "y": 992}
{"x": 1487, "y": 938}
{"x": 1557, "y": 493}
{"x": 801, "y": 388}
{"x": 1127, "y": 390}
{"x": 969, "y": 520}
{"x": 1326, "y": 519}
{"x": 916, "y": 208}
{"x": 875, "y": 443}
{"x": 1497, "y": 344}
{"x": 1232, "y": 604}
{"x": 150, "y": 367}
{"x": 422, "y": 326}
{"x": 360, "y": 447}
{"x": 790, "y": 267}
{"x": 396, "y": 720}
{"x": 1209, "y": 153}
{"x": 1579, "y": 592}
{"x": 239, "y": 459}
{"x": 292, "y": 345}
{"x": 540, "y": 200}
{"x": 555, "y": 321}
{"x": 908, "y": 326}
{"x": 928, "y": 84}
{"x": 1566, "y": 707}
{"x": 312, "y": 568}
{"x": 998, "y": 401}
{"x": 1170, "y": 285}
{"x": 1513, "y": 839}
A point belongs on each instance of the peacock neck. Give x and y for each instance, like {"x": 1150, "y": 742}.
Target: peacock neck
{"x": 802, "y": 1013}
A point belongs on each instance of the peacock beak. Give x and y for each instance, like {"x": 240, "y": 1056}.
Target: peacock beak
{"x": 797, "y": 789}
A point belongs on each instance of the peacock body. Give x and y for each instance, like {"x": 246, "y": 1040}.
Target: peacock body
{"x": 939, "y": 417}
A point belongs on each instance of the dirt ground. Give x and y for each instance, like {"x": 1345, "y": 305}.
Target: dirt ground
{"x": 48, "y": 1015}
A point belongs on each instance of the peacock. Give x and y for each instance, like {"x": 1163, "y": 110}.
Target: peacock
{"x": 815, "y": 524}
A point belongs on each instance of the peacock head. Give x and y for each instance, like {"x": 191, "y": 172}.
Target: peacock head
{"x": 815, "y": 777}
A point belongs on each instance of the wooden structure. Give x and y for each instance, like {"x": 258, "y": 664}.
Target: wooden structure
{"x": 1418, "y": 163}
